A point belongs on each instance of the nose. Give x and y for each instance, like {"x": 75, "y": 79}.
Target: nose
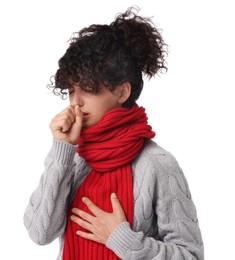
{"x": 76, "y": 98}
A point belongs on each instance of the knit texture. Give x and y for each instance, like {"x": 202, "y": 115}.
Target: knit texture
{"x": 108, "y": 147}
{"x": 165, "y": 224}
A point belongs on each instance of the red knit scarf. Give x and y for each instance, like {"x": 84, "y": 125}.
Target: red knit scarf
{"x": 108, "y": 148}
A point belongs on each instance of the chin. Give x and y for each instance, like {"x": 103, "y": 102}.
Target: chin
{"x": 86, "y": 125}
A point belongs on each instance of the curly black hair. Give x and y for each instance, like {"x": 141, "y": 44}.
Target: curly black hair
{"x": 109, "y": 55}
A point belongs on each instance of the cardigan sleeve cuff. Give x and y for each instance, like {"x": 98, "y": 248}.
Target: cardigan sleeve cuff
{"x": 62, "y": 152}
{"x": 121, "y": 239}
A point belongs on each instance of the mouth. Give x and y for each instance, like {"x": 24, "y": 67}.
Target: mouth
{"x": 85, "y": 115}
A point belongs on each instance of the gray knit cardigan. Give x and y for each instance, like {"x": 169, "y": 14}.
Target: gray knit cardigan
{"x": 165, "y": 220}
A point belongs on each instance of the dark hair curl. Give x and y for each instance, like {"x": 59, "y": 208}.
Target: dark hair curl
{"x": 109, "y": 55}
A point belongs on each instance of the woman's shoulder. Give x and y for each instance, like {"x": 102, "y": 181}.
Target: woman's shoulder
{"x": 150, "y": 147}
{"x": 157, "y": 159}
{"x": 156, "y": 166}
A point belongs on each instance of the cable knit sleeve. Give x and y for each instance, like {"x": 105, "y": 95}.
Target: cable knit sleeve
{"x": 165, "y": 218}
{"x": 46, "y": 213}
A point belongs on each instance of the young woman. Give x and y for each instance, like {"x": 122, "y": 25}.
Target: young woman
{"x": 108, "y": 191}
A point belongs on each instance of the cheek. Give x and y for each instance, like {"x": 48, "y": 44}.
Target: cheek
{"x": 100, "y": 111}
{"x": 106, "y": 107}
{"x": 101, "y": 106}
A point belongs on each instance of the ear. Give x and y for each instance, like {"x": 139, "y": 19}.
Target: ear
{"x": 124, "y": 91}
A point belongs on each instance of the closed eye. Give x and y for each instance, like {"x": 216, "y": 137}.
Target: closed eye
{"x": 71, "y": 91}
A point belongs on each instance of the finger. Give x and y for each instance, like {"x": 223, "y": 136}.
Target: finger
{"x": 82, "y": 223}
{"x": 88, "y": 236}
{"x": 92, "y": 207}
{"x": 65, "y": 117}
{"x": 78, "y": 117}
{"x": 84, "y": 215}
{"x": 65, "y": 125}
{"x": 62, "y": 125}
{"x": 68, "y": 111}
{"x": 77, "y": 125}
{"x": 117, "y": 207}
{"x": 77, "y": 111}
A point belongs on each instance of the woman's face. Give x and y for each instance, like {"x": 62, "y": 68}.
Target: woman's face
{"x": 94, "y": 105}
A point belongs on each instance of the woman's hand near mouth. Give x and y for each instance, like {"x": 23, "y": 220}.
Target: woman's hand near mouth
{"x": 66, "y": 126}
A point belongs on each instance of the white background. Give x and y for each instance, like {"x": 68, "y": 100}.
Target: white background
{"x": 191, "y": 108}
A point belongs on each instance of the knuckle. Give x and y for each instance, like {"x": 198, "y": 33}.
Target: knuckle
{"x": 81, "y": 214}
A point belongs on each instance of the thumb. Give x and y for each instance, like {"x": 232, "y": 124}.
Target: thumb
{"x": 77, "y": 111}
{"x": 78, "y": 116}
{"x": 77, "y": 125}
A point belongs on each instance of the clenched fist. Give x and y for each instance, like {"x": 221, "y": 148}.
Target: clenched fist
{"x": 66, "y": 126}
